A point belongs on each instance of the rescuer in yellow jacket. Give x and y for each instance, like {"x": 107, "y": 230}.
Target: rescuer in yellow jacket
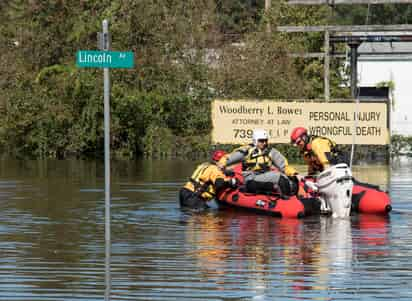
{"x": 258, "y": 160}
{"x": 318, "y": 152}
{"x": 205, "y": 181}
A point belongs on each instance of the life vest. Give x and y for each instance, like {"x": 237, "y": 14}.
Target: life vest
{"x": 328, "y": 153}
{"x": 332, "y": 144}
{"x": 196, "y": 184}
{"x": 257, "y": 160}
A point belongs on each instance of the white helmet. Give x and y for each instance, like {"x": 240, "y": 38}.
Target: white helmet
{"x": 259, "y": 134}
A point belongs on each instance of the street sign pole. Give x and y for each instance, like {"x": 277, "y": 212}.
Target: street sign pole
{"x": 106, "y": 79}
{"x": 105, "y": 59}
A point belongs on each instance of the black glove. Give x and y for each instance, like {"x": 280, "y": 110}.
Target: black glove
{"x": 229, "y": 173}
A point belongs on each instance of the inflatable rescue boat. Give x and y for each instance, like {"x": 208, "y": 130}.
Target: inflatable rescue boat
{"x": 363, "y": 198}
{"x": 368, "y": 198}
{"x": 272, "y": 203}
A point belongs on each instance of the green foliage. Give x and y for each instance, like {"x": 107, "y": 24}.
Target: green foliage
{"x": 185, "y": 57}
{"x": 239, "y": 17}
{"x": 374, "y": 14}
{"x": 138, "y": 115}
{"x": 401, "y": 145}
{"x": 290, "y": 152}
{"x": 391, "y": 86}
{"x": 158, "y": 142}
{"x": 259, "y": 68}
{"x": 54, "y": 116}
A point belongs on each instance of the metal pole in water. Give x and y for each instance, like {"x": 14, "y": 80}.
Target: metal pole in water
{"x": 106, "y": 47}
{"x": 354, "y": 91}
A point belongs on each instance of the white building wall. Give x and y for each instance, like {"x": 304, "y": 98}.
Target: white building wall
{"x": 372, "y": 72}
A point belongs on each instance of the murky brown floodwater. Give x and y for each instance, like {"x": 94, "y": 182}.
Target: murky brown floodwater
{"x": 52, "y": 240}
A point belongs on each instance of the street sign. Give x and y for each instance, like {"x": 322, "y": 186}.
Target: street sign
{"x": 104, "y": 59}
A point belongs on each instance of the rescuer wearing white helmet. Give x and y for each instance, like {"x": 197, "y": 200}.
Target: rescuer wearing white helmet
{"x": 259, "y": 134}
{"x": 264, "y": 168}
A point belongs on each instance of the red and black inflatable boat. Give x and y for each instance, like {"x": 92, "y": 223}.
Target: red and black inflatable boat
{"x": 271, "y": 203}
{"x": 366, "y": 198}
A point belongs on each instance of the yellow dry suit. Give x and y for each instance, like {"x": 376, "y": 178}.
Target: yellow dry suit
{"x": 289, "y": 170}
{"x": 203, "y": 179}
{"x": 320, "y": 153}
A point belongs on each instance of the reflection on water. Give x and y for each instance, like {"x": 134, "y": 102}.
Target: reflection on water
{"x": 294, "y": 258}
{"x": 52, "y": 240}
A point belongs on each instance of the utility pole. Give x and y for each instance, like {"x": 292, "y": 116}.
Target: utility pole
{"x": 354, "y": 67}
{"x": 267, "y": 10}
{"x": 326, "y": 64}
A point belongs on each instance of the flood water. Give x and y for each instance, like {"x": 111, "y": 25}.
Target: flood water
{"x": 52, "y": 240}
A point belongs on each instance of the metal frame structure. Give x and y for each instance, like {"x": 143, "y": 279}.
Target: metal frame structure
{"x": 352, "y": 35}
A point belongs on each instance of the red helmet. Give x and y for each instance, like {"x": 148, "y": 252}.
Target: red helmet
{"x": 297, "y": 133}
{"x": 217, "y": 155}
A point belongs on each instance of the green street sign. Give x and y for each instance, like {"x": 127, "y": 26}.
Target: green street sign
{"x": 104, "y": 59}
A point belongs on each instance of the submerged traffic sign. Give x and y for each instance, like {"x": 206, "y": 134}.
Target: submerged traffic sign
{"x": 104, "y": 59}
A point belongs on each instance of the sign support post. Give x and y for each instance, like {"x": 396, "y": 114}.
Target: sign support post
{"x": 105, "y": 59}
{"x": 106, "y": 80}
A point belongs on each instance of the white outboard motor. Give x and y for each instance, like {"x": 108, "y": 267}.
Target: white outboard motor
{"x": 335, "y": 190}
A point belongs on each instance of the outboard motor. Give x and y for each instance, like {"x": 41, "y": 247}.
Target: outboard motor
{"x": 335, "y": 190}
